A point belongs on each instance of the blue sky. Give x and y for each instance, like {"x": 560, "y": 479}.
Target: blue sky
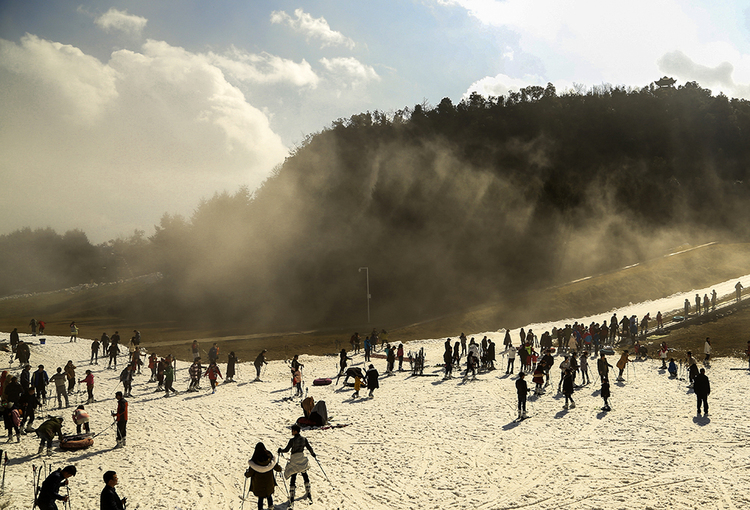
{"x": 117, "y": 112}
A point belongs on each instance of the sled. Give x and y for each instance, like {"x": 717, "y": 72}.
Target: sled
{"x": 76, "y": 442}
{"x": 321, "y": 381}
{"x": 607, "y": 351}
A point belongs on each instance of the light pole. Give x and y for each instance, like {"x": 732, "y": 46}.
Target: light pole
{"x": 367, "y": 275}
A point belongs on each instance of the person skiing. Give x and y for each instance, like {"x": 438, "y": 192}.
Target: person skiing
{"x": 40, "y": 380}
{"x": 259, "y": 362}
{"x": 231, "y": 362}
{"x": 702, "y": 389}
{"x": 372, "y": 380}
{"x": 104, "y": 343}
{"x": 89, "y": 380}
{"x": 81, "y": 419}
{"x": 169, "y": 378}
{"x": 49, "y": 493}
{"x": 212, "y": 372}
{"x": 60, "y": 382}
{"x": 94, "y": 352}
{"x": 121, "y": 418}
{"x": 126, "y": 378}
{"x": 262, "y": 480}
{"x": 511, "y": 359}
{"x": 195, "y": 371}
{"x": 521, "y": 389}
{"x": 70, "y": 371}
{"x": 298, "y": 463}
{"x": 109, "y": 499}
{"x": 567, "y": 387}
{"x": 114, "y": 349}
{"x": 621, "y": 364}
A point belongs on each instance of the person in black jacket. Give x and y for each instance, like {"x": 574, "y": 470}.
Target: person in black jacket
{"x": 109, "y": 499}
{"x": 372, "y": 380}
{"x": 522, "y": 389}
{"x": 49, "y": 494}
{"x": 702, "y": 388}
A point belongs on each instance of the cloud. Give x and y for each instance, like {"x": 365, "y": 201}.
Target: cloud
{"x": 115, "y": 19}
{"x": 112, "y": 146}
{"x": 312, "y": 28}
{"x": 349, "y": 69}
{"x": 680, "y": 65}
{"x": 501, "y": 84}
{"x": 265, "y": 68}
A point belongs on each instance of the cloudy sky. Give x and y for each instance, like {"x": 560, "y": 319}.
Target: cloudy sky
{"x": 113, "y": 113}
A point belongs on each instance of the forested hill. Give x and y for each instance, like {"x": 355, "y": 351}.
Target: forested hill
{"x": 455, "y": 205}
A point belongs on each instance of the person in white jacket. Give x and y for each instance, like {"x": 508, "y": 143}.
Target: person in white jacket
{"x": 707, "y": 349}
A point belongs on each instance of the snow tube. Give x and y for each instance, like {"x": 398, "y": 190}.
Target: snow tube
{"x": 607, "y": 351}
{"x": 77, "y": 442}
{"x": 321, "y": 381}
{"x": 306, "y": 422}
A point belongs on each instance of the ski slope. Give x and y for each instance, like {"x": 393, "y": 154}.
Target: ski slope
{"x": 422, "y": 442}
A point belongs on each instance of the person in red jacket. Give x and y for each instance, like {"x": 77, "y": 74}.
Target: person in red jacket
{"x": 212, "y": 372}
{"x": 89, "y": 380}
{"x": 121, "y": 418}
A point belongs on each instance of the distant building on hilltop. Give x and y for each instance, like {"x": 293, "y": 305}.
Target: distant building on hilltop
{"x": 665, "y": 83}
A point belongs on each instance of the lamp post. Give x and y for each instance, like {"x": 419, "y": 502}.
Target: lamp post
{"x": 367, "y": 275}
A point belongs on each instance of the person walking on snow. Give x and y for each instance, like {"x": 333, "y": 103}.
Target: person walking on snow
{"x": 73, "y": 332}
{"x": 605, "y": 393}
{"x": 298, "y": 463}
{"x": 121, "y": 418}
{"x": 195, "y": 371}
{"x": 89, "y": 380}
{"x": 372, "y": 380}
{"x": 621, "y": 364}
{"x": 738, "y": 291}
{"x": 212, "y": 372}
{"x": 169, "y": 379}
{"x": 707, "y": 349}
{"x": 60, "y": 381}
{"x": 259, "y": 362}
{"x": 261, "y": 473}
{"x": 522, "y": 390}
{"x": 567, "y": 387}
{"x": 231, "y": 362}
{"x": 702, "y": 388}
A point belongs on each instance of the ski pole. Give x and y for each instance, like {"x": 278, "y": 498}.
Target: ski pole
{"x": 103, "y": 431}
{"x": 244, "y": 495}
{"x": 5, "y": 465}
{"x": 321, "y": 468}
{"x": 67, "y": 487}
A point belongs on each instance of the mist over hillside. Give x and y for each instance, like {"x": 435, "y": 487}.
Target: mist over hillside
{"x": 454, "y": 205}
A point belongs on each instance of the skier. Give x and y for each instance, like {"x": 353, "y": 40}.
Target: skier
{"x": 89, "y": 380}
{"x": 511, "y": 359}
{"x": 109, "y": 499}
{"x": 372, "y": 380}
{"x": 153, "y": 361}
{"x": 49, "y": 493}
{"x": 60, "y": 379}
{"x": 213, "y": 354}
{"x": 584, "y": 368}
{"x": 261, "y": 473}
{"x": 259, "y": 362}
{"x": 81, "y": 419}
{"x": 605, "y": 393}
{"x": 195, "y": 372}
{"x": 212, "y": 372}
{"x": 297, "y": 381}
{"x": 702, "y": 388}
{"x": 73, "y": 332}
{"x": 104, "y": 343}
{"x": 169, "y": 378}
{"x": 298, "y": 463}
{"x": 521, "y": 389}
{"x": 126, "y": 378}
{"x": 564, "y": 366}
{"x": 231, "y": 362}
{"x": 567, "y": 387}
{"x": 621, "y": 364}
{"x": 538, "y": 379}
{"x": 114, "y": 349}
{"x": 121, "y": 418}
{"x": 94, "y": 352}
{"x": 70, "y": 371}
{"x": 47, "y": 431}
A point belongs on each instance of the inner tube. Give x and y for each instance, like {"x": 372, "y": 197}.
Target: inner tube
{"x": 607, "y": 351}
{"x": 77, "y": 442}
{"x": 322, "y": 381}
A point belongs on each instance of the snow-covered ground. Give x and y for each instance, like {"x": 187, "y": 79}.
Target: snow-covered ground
{"x": 422, "y": 442}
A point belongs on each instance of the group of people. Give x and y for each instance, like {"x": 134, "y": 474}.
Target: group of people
{"x": 49, "y": 493}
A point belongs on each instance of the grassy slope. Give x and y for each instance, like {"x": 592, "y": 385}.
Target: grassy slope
{"x": 121, "y": 307}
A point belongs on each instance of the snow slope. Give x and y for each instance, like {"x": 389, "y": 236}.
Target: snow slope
{"x": 422, "y": 442}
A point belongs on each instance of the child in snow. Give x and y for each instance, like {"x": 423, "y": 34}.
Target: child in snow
{"x": 605, "y": 394}
{"x": 672, "y": 368}
{"x": 621, "y": 364}
{"x": 357, "y": 385}
{"x": 538, "y": 379}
